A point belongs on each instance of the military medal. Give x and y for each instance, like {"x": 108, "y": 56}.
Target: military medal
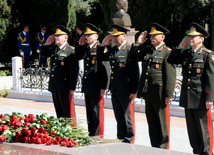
{"x": 157, "y": 66}
{"x": 212, "y": 57}
{"x": 120, "y": 64}
{"x": 93, "y": 62}
{"x": 198, "y": 70}
{"x": 62, "y": 63}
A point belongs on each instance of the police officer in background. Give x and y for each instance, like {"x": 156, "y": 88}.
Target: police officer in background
{"x": 123, "y": 82}
{"x": 95, "y": 80}
{"x": 197, "y": 91}
{"x": 63, "y": 73}
{"x": 41, "y": 38}
{"x": 156, "y": 84}
{"x": 24, "y": 45}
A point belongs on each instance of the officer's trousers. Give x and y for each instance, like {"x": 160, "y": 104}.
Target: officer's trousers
{"x": 200, "y": 130}
{"x": 94, "y": 111}
{"x": 157, "y": 113}
{"x": 124, "y": 114}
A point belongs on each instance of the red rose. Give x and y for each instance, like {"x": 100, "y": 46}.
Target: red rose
{"x": 63, "y": 143}
{"x": 0, "y": 128}
{"x": 21, "y": 118}
{"x": 18, "y": 133}
{"x": 18, "y": 123}
{"x": 3, "y": 138}
{"x": 31, "y": 117}
{"x": 47, "y": 122}
{"x": 13, "y": 118}
{"x": 44, "y": 140}
{"x": 64, "y": 140}
{"x": 44, "y": 132}
{"x": 55, "y": 142}
{"x": 40, "y": 135}
{"x": 45, "y": 136}
{"x": 75, "y": 143}
{"x": 52, "y": 133}
{"x": 26, "y": 119}
{"x": 41, "y": 129}
{"x": 69, "y": 139}
{"x": 50, "y": 139}
{"x": 35, "y": 134}
{"x": 69, "y": 144}
{"x": 31, "y": 141}
{"x": 9, "y": 123}
{"x": 38, "y": 141}
{"x": 49, "y": 143}
{"x": 42, "y": 122}
{"x": 33, "y": 129}
{"x": 2, "y": 116}
{"x": 28, "y": 133}
{"x": 24, "y": 130}
{"x": 4, "y": 127}
{"x": 27, "y": 124}
{"x": 13, "y": 123}
{"x": 57, "y": 138}
{"x": 26, "y": 139}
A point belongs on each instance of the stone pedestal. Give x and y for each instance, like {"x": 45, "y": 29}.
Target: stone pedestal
{"x": 16, "y": 66}
{"x": 131, "y": 36}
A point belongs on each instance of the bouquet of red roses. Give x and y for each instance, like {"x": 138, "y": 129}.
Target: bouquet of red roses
{"x": 41, "y": 129}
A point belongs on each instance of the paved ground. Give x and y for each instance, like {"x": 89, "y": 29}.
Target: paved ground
{"x": 178, "y": 133}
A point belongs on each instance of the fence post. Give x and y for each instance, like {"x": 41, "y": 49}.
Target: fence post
{"x": 16, "y": 66}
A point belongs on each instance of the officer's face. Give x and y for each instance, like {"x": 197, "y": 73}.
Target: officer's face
{"x": 156, "y": 39}
{"x": 43, "y": 31}
{"x": 195, "y": 41}
{"x": 60, "y": 39}
{"x": 26, "y": 29}
{"x": 119, "y": 39}
{"x": 91, "y": 38}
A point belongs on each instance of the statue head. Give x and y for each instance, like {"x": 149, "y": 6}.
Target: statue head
{"x": 122, "y": 4}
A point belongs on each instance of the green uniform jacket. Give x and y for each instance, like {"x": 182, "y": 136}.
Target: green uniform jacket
{"x": 64, "y": 69}
{"x": 96, "y": 73}
{"x": 124, "y": 73}
{"x": 158, "y": 76}
{"x": 198, "y": 76}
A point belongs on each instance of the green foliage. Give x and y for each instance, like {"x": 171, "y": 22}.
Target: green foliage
{"x": 4, "y": 93}
{"x": 71, "y": 23}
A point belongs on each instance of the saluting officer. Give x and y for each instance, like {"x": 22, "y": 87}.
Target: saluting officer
{"x": 95, "y": 80}
{"x": 123, "y": 82}
{"x": 63, "y": 73}
{"x": 24, "y": 45}
{"x": 156, "y": 84}
{"x": 41, "y": 38}
{"x": 197, "y": 91}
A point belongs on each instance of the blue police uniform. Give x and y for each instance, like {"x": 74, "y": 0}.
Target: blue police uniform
{"x": 24, "y": 45}
{"x": 40, "y": 40}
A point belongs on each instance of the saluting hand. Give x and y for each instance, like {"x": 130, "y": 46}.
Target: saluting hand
{"x": 82, "y": 40}
{"x": 168, "y": 100}
{"x": 142, "y": 38}
{"x": 184, "y": 43}
{"x": 102, "y": 92}
{"x": 209, "y": 104}
{"x": 107, "y": 40}
{"x": 132, "y": 97}
{"x": 50, "y": 40}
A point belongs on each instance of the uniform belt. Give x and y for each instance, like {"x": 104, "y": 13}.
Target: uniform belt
{"x": 25, "y": 44}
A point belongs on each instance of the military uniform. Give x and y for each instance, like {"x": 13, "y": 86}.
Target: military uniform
{"x": 63, "y": 77}
{"x": 24, "y": 45}
{"x": 123, "y": 82}
{"x": 156, "y": 83}
{"x": 41, "y": 38}
{"x": 197, "y": 88}
{"x": 95, "y": 77}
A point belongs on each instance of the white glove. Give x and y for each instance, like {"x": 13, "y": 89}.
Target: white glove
{"x": 22, "y": 53}
{"x": 30, "y": 52}
{"x": 38, "y": 50}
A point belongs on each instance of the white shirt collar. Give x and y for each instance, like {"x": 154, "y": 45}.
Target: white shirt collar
{"x": 24, "y": 33}
{"x": 197, "y": 48}
{"x": 121, "y": 46}
{"x": 63, "y": 45}
{"x": 159, "y": 45}
{"x": 92, "y": 44}
{"x": 42, "y": 34}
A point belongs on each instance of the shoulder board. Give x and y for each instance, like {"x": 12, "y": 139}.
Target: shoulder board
{"x": 207, "y": 51}
{"x": 38, "y": 33}
{"x": 71, "y": 47}
{"x": 167, "y": 48}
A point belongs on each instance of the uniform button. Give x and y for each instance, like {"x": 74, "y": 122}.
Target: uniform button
{"x": 85, "y": 77}
{"x": 127, "y": 79}
{"x": 188, "y": 79}
{"x": 86, "y": 71}
{"x": 87, "y": 58}
{"x": 188, "y": 88}
{"x": 55, "y": 57}
{"x": 146, "y": 80}
{"x": 190, "y": 64}
{"x": 147, "y": 73}
{"x": 52, "y": 75}
{"x": 54, "y": 64}
{"x": 86, "y": 64}
{"x": 112, "y": 72}
{"x": 189, "y": 72}
{"x": 52, "y": 69}
{"x": 112, "y": 66}
{"x": 148, "y": 67}
{"x": 112, "y": 61}
{"x": 150, "y": 60}
{"x": 111, "y": 77}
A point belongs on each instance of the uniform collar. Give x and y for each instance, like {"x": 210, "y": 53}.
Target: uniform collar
{"x": 157, "y": 47}
{"x": 61, "y": 47}
{"x": 92, "y": 44}
{"x": 24, "y": 33}
{"x": 195, "y": 50}
{"x": 119, "y": 48}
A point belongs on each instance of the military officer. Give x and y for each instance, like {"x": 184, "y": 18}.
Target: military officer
{"x": 123, "y": 82}
{"x": 24, "y": 45}
{"x": 197, "y": 92}
{"x": 63, "y": 73}
{"x": 41, "y": 38}
{"x": 156, "y": 83}
{"x": 95, "y": 79}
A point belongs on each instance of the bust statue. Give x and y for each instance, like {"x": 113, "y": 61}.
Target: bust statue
{"x": 121, "y": 17}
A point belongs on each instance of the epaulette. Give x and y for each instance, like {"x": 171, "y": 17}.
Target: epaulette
{"x": 125, "y": 47}
{"x": 207, "y": 51}
{"x": 166, "y": 48}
